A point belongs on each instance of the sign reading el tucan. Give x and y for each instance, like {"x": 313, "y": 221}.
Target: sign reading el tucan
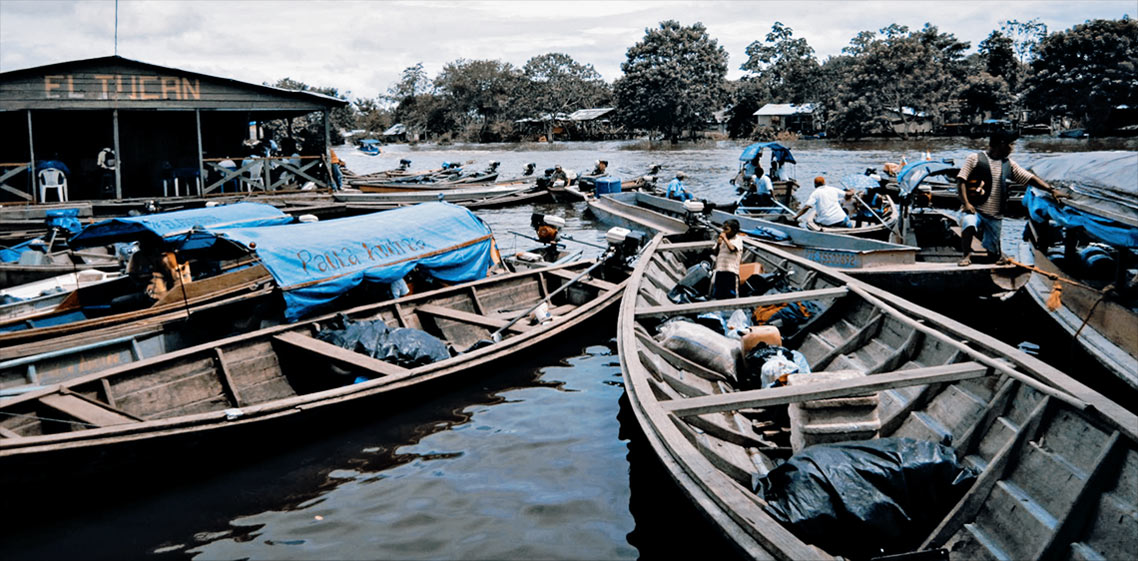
{"x": 135, "y": 87}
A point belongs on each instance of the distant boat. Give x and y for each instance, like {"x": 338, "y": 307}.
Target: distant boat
{"x": 1073, "y": 133}
{"x": 369, "y": 146}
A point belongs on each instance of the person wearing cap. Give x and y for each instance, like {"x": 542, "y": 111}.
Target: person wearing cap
{"x": 559, "y": 175}
{"x": 986, "y": 175}
{"x": 600, "y": 167}
{"x": 827, "y": 204}
{"x": 676, "y": 190}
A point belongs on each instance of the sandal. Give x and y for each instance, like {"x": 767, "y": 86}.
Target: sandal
{"x": 965, "y": 262}
{"x": 1003, "y": 261}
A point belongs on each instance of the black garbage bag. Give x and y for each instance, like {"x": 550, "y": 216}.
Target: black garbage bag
{"x": 364, "y": 337}
{"x": 403, "y": 346}
{"x": 409, "y": 347}
{"x": 866, "y": 498}
{"x": 695, "y": 285}
{"x": 758, "y": 285}
{"x": 751, "y": 375}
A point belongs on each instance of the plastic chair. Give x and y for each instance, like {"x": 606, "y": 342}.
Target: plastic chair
{"x": 52, "y": 178}
{"x": 255, "y": 175}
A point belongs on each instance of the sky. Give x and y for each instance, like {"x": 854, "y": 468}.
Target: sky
{"x": 361, "y": 47}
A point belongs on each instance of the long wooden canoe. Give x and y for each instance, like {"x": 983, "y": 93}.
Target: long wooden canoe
{"x": 1057, "y": 463}
{"x": 903, "y": 268}
{"x": 255, "y": 380}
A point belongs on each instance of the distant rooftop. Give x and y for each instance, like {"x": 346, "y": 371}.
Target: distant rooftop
{"x": 779, "y": 109}
{"x": 590, "y": 114}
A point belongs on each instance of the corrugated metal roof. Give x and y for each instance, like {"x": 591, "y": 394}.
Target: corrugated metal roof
{"x": 397, "y": 128}
{"x": 772, "y": 109}
{"x": 590, "y": 114}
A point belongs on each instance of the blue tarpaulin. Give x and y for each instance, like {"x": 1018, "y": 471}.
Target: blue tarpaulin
{"x": 1114, "y": 233}
{"x": 913, "y": 174}
{"x": 779, "y": 153}
{"x": 314, "y": 263}
{"x": 168, "y": 225}
{"x": 859, "y": 182}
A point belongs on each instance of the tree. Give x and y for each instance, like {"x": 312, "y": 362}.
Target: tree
{"x": 998, "y": 55}
{"x": 674, "y": 79}
{"x": 308, "y": 130}
{"x": 1025, "y": 37}
{"x": 1086, "y": 72}
{"x": 479, "y": 93}
{"x": 785, "y": 65}
{"x": 555, "y": 83}
{"x": 371, "y": 115}
{"x": 412, "y": 98}
{"x": 902, "y": 72}
{"x": 984, "y": 92}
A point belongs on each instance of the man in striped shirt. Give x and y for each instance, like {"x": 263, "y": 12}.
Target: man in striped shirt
{"x": 991, "y": 171}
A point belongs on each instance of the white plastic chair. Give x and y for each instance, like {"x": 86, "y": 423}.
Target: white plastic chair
{"x": 255, "y": 177}
{"x": 52, "y": 178}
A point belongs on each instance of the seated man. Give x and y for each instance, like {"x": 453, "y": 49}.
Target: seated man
{"x": 676, "y": 189}
{"x": 827, "y": 204}
{"x": 760, "y": 192}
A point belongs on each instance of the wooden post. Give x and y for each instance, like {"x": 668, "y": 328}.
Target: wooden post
{"x": 32, "y": 163}
{"x": 201, "y": 163}
{"x": 328, "y": 146}
{"x": 118, "y": 158}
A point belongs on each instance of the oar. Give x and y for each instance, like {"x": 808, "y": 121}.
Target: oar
{"x": 563, "y": 237}
{"x": 496, "y": 336}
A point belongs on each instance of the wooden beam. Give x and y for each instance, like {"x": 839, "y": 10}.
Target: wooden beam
{"x": 337, "y": 354}
{"x": 118, "y": 154}
{"x": 684, "y": 246}
{"x": 8, "y": 433}
{"x": 826, "y": 390}
{"x": 467, "y": 317}
{"x": 226, "y": 380}
{"x": 32, "y": 161}
{"x": 737, "y": 303}
{"x": 85, "y": 411}
{"x": 678, "y": 361}
{"x": 201, "y": 155}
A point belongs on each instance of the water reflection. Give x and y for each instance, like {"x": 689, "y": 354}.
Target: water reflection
{"x": 538, "y": 473}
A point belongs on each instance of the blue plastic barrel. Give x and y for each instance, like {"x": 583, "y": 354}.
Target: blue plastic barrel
{"x": 606, "y": 185}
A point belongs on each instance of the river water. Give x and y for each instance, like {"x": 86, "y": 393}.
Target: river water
{"x": 541, "y": 460}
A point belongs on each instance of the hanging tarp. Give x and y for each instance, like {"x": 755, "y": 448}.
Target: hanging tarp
{"x": 911, "y": 176}
{"x": 1104, "y": 184}
{"x": 314, "y": 263}
{"x": 1041, "y": 209}
{"x": 171, "y": 225}
{"x": 859, "y": 182}
{"x": 779, "y": 153}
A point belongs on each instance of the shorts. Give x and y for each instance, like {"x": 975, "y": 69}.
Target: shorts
{"x": 988, "y": 227}
{"x": 725, "y": 285}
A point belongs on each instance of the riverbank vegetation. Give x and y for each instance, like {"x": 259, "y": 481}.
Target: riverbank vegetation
{"x": 892, "y": 82}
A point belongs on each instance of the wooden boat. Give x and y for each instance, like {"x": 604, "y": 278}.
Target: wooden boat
{"x": 466, "y": 194}
{"x": 882, "y": 229}
{"x": 907, "y": 269}
{"x": 932, "y": 183}
{"x": 369, "y": 146}
{"x": 1057, "y": 463}
{"x": 47, "y": 265}
{"x": 256, "y": 381}
{"x": 780, "y": 168}
{"x": 34, "y": 297}
{"x": 1087, "y": 245}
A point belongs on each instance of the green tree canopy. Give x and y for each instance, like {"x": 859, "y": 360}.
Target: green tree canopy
{"x": 479, "y": 92}
{"x": 785, "y": 66}
{"x": 674, "y": 79}
{"x": 1086, "y": 72}
{"x": 555, "y": 83}
{"x": 308, "y": 130}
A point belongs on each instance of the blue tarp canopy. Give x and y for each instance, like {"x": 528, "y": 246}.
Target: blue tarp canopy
{"x": 170, "y": 225}
{"x": 913, "y": 174}
{"x": 1042, "y": 209}
{"x": 314, "y": 263}
{"x": 369, "y": 141}
{"x": 779, "y": 153}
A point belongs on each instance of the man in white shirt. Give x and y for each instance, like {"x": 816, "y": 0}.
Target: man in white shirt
{"x": 827, "y": 204}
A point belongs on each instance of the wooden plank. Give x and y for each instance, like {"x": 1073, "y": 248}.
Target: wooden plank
{"x": 474, "y": 300}
{"x": 737, "y": 303}
{"x": 84, "y": 410}
{"x": 966, "y": 509}
{"x": 467, "y": 317}
{"x": 1072, "y": 521}
{"x": 226, "y": 380}
{"x": 684, "y": 246}
{"x": 784, "y": 395}
{"x": 593, "y": 282}
{"x": 343, "y": 356}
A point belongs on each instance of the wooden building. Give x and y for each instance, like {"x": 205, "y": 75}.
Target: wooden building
{"x": 173, "y": 132}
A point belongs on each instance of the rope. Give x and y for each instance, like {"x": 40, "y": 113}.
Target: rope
{"x": 38, "y": 418}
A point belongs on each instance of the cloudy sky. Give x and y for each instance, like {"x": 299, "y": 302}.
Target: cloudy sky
{"x": 361, "y": 46}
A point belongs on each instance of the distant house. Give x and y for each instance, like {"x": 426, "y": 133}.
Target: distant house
{"x": 593, "y": 123}
{"x": 919, "y": 121}
{"x": 395, "y": 133}
{"x": 788, "y": 116}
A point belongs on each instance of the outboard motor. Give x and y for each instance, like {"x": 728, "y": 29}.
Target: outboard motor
{"x": 493, "y": 166}
{"x": 1097, "y": 261}
{"x": 548, "y": 228}
{"x": 529, "y": 169}
{"x": 624, "y": 247}
{"x": 546, "y": 181}
{"x": 404, "y": 164}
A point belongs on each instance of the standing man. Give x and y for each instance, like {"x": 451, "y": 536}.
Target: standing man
{"x": 106, "y": 162}
{"x": 827, "y": 204}
{"x": 676, "y": 188}
{"x": 728, "y": 255}
{"x": 983, "y": 186}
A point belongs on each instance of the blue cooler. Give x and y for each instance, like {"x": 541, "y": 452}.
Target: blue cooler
{"x": 606, "y": 185}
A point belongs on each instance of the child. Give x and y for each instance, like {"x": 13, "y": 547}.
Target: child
{"x": 729, "y": 253}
